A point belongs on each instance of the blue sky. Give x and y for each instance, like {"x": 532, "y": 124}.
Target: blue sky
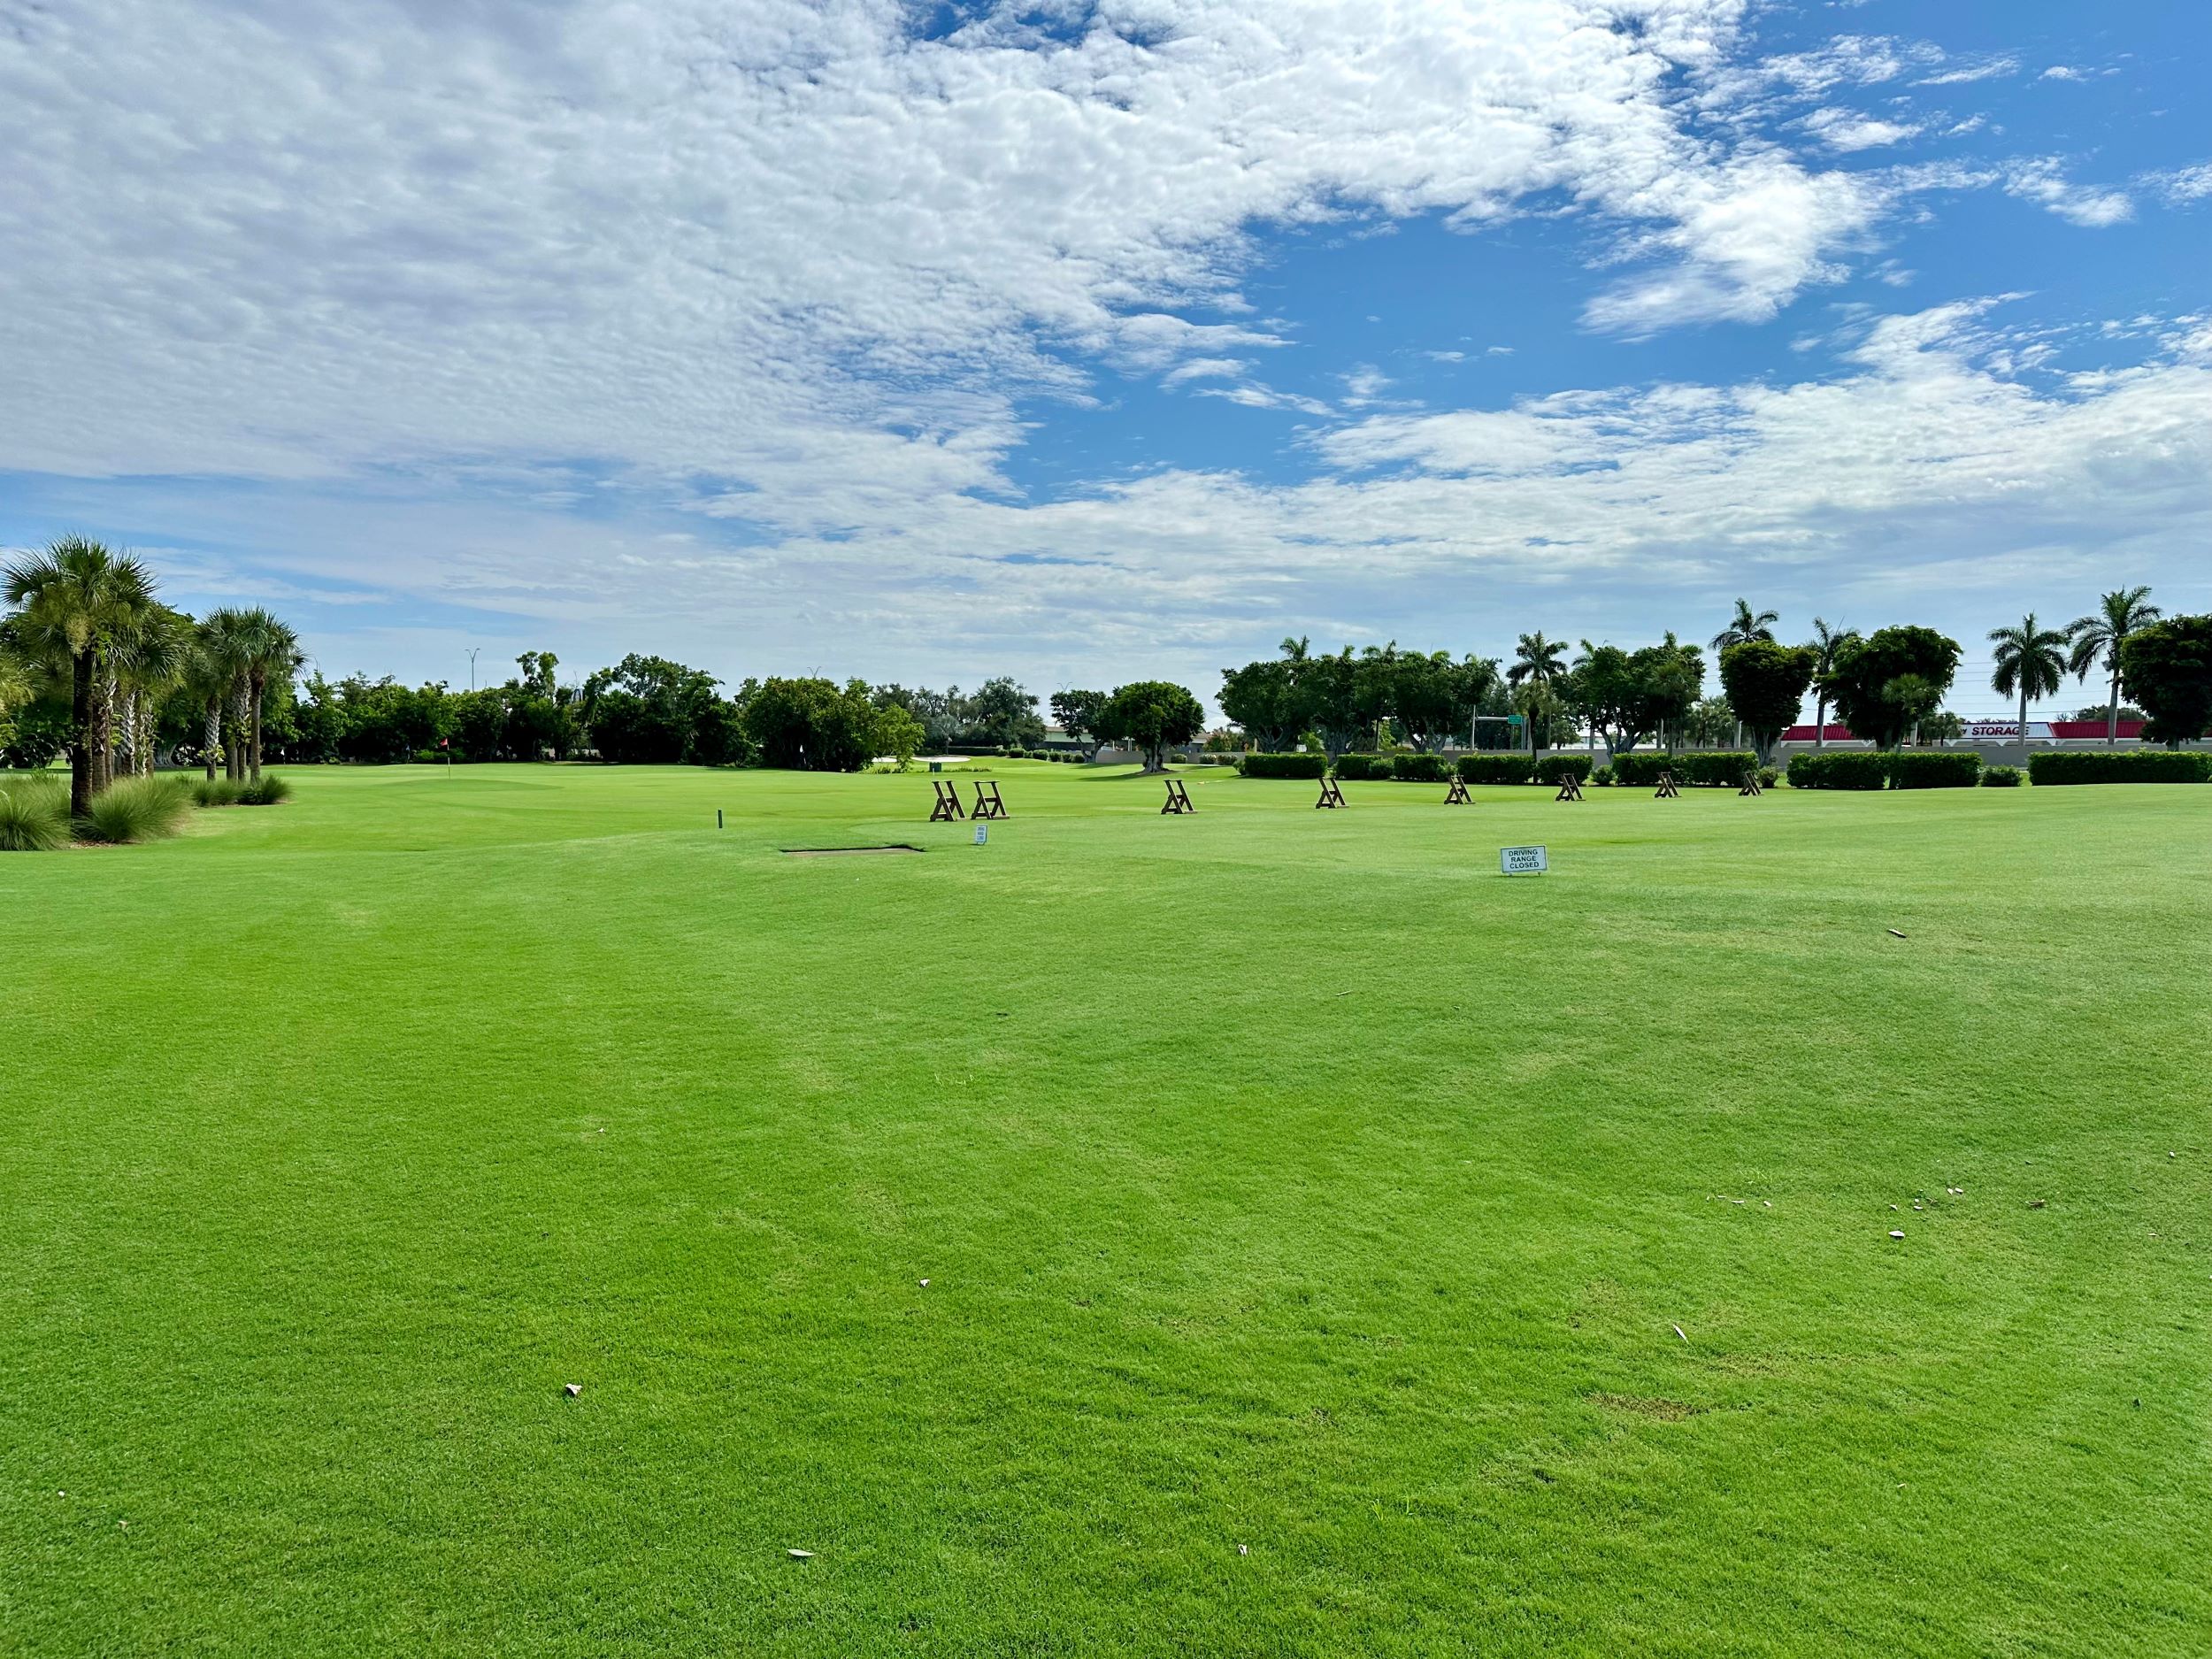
{"x": 1089, "y": 341}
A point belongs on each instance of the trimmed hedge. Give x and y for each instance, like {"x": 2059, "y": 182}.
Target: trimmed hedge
{"x": 1839, "y": 769}
{"x": 1868, "y": 769}
{"x": 1715, "y": 768}
{"x": 1934, "y": 769}
{"x": 1494, "y": 768}
{"x": 2121, "y": 765}
{"x": 1551, "y": 768}
{"x": 2001, "y": 778}
{"x": 1420, "y": 768}
{"x": 1362, "y": 768}
{"x": 1644, "y": 770}
{"x": 1257, "y": 765}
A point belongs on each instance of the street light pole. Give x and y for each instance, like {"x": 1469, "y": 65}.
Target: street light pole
{"x": 472, "y": 652}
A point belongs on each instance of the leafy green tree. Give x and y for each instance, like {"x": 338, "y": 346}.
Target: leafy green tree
{"x": 480, "y": 723}
{"x": 1434, "y": 698}
{"x": 813, "y": 725}
{"x": 2031, "y": 661}
{"x": 1827, "y": 646}
{"x": 72, "y": 601}
{"x": 540, "y": 711}
{"x": 36, "y": 733}
{"x": 1630, "y": 696}
{"x": 1710, "y": 722}
{"x": 1257, "y": 697}
{"x": 1154, "y": 715}
{"x": 898, "y": 734}
{"x": 1003, "y": 713}
{"x": 1748, "y": 627}
{"x": 644, "y": 709}
{"x": 717, "y": 735}
{"x": 1884, "y": 685}
{"x": 1328, "y": 695}
{"x": 2098, "y": 637}
{"x": 1078, "y": 712}
{"x": 1765, "y": 685}
{"x": 2168, "y": 665}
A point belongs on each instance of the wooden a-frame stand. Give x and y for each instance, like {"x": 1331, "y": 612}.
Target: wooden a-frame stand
{"x": 987, "y": 805}
{"x": 1330, "y": 796}
{"x": 948, "y": 807}
{"x": 1667, "y": 790}
{"x": 1569, "y": 788}
{"x": 1456, "y": 795}
{"x": 1750, "y": 784}
{"x": 1179, "y": 799}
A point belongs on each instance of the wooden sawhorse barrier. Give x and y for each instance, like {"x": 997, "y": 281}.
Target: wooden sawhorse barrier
{"x": 1456, "y": 795}
{"x": 1750, "y": 784}
{"x": 987, "y": 805}
{"x": 1330, "y": 796}
{"x": 1668, "y": 790}
{"x": 1569, "y": 788}
{"x": 948, "y": 807}
{"x": 1179, "y": 799}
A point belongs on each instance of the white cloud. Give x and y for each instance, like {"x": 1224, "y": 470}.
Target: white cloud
{"x": 2186, "y": 184}
{"x": 2063, "y": 72}
{"x": 2043, "y": 183}
{"x": 1959, "y": 72}
{"x": 1847, "y": 129}
{"x": 713, "y": 236}
{"x": 431, "y": 278}
{"x": 1364, "y": 385}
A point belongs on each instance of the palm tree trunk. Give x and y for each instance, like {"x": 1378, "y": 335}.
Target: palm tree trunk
{"x": 1820, "y": 719}
{"x": 81, "y": 723}
{"x": 211, "y": 735}
{"x": 103, "y": 731}
{"x": 2112, "y": 715}
{"x": 260, "y": 687}
{"x": 2023, "y": 719}
{"x": 235, "y": 747}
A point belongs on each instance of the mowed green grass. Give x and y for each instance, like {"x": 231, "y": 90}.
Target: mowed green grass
{"x": 1307, "y": 1213}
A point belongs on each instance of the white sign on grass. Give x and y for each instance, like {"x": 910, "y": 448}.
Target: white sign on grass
{"x": 1521, "y": 861}
{"x": 982, "y": 834}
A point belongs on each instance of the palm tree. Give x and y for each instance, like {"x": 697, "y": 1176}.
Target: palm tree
{"x": 267, "y": 646}
{"x": 2029, "y": 661}
{"x": 215, "y": 668}
{"x": 218, "y": 679}
{"x": 1541, "y": 664}
{"x": 2102, "y": 633}
{"x": 72, "y": 601}
{"x": 1747, "y": 629}
{"x": 147, "y": 661}
{"x": 1827, "y": 646}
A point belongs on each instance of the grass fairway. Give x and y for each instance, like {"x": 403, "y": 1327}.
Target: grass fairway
{"x": 1285, "y": 1181}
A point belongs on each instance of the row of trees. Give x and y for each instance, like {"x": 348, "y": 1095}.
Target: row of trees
{"x": 1886, "y": 687}
{"x": 92, "y": 663}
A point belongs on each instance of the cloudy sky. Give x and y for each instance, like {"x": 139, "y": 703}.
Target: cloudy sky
{"x": 1095, "y": 339}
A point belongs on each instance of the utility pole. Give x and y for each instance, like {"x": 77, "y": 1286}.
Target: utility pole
{"x": 472, "y": 652}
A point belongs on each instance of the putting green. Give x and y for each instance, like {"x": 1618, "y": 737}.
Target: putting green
{"x": 1332, "y": 1245}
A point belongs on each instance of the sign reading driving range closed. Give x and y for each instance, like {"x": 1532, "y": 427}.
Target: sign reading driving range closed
{"x": 1521, "y": 861}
